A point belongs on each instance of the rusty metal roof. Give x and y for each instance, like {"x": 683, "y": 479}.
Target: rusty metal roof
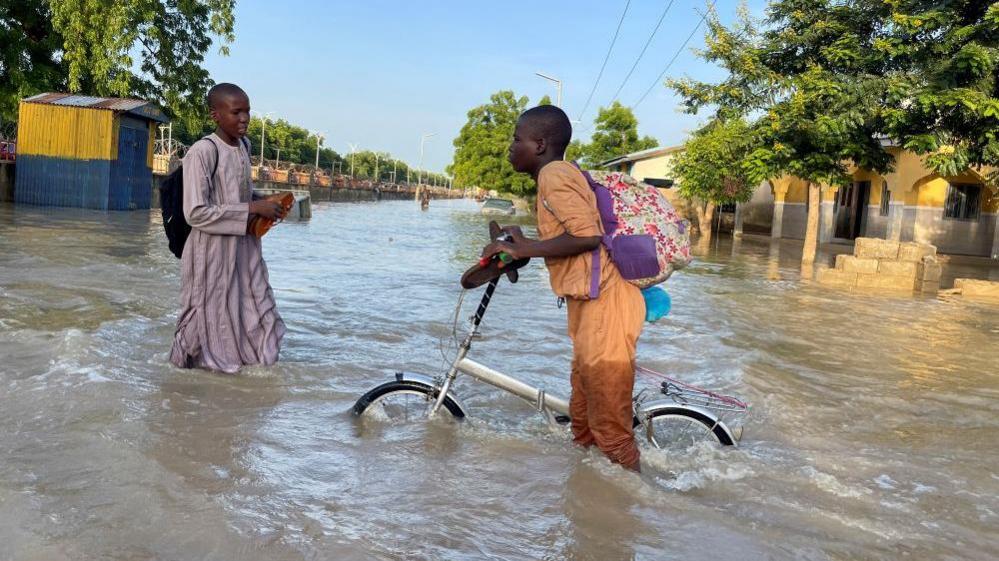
{"x": 136, "y": 107}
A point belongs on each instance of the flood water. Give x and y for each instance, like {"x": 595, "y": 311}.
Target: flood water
{"x": 872, "y": 433}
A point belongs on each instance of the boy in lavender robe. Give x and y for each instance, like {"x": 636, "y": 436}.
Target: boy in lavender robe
{"x": 228, "y": 317}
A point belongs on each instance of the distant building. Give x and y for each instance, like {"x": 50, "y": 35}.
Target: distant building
{"x": 956, "y": 214}
{"x": 85, "y": 152}
{"x": 653, "y": 166}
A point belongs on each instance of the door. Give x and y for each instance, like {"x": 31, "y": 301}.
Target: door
{"x": 131, "y": 178}
{"x": 850, "y": 206}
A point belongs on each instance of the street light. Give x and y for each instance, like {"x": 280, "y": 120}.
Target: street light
{"x": 263, "y": 127}
{"x": 419, "y": 174}
{"x": 319, "y": 139}
{"x": 353, "y": 148}
{"x": 558, "y": 83}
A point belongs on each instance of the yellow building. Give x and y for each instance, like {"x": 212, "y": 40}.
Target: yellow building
{"x": 958, "y": 215}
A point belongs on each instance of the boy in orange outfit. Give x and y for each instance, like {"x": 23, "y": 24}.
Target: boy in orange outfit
{"x": 605, "y": 319}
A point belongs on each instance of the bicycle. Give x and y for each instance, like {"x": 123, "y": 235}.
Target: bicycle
{"x": 677, "y": 414}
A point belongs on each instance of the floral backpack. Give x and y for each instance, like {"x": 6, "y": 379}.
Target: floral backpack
{"x": 646, "y": 238}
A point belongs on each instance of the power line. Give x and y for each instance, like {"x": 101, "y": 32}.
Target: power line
{"x": 606, "y": 58}
{"x": 641, "y": 54}
{"x": 675, "y": 56}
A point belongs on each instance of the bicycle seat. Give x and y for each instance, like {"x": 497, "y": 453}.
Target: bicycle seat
{"x": 478, "y": 275}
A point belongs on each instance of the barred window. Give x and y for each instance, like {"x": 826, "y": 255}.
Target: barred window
{"x": 885, "y": 198}
{"x": 964, "y": 201}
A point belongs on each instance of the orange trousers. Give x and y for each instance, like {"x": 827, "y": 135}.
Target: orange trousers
{"x": 604, "y": 334}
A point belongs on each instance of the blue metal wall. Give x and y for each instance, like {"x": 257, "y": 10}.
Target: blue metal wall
{"x": 51, "y": 181}
{"x": 131, "y": 177}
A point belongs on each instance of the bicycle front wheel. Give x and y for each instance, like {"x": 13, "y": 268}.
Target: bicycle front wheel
{"x": 404, "y": 401}
{"x": 678, "y": 427}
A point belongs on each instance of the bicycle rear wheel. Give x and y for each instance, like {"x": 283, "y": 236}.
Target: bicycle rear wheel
{"x": 404, "y": 401}
{"x": 679, "y": 427}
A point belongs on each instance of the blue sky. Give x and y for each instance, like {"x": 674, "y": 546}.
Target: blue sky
{"x": 381, "y": 73}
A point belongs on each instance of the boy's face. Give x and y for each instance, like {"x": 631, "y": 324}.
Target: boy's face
{"x": 524, "y": 149}
{"x": 232, "y": 114}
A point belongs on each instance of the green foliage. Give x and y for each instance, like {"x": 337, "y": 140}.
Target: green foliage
{"x": 943, "y": 88}
{"x": 616, "y": 135}
{"x": 546, "y": 100}
{"x": 480, "y": 157}
{"x": 29, "y": 61}
{"x": 713, "y": 165}
{"x": 813, "y": 79}
{"x": 99, "y": 44}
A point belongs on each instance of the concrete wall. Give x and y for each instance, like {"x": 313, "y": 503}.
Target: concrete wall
{"x": 875, "y": 225}
{"x": 962, "y": 237}
{"x": 795, "y": 221}
{"x": 6, "y": 182}
{"x": 758, "y": 212}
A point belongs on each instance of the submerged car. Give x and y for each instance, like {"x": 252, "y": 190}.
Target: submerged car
{"x": 494, "y": 206}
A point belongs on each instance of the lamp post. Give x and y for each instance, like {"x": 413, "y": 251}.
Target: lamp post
{"x": 319, "y": 139}
{"x": 353, "y": 149}
{"x": 558, "y": 84}
{"x": 263, "y": 127}
{"x": 423, "y": 139}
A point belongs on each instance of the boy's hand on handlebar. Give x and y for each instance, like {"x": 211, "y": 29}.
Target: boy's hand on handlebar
{"x": 495, "y": 248}
{"x": 515, "y": 233}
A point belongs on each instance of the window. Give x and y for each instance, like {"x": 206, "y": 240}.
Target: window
{"x": 885, "y": 198}
{"x": 963, "y": 201}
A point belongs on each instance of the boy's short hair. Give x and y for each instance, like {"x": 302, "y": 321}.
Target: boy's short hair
{"x": 219, "y": 91}
{"x": 551, "y": 123}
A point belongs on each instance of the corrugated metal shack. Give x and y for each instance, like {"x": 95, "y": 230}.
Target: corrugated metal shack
{"x": 85, "y": 152}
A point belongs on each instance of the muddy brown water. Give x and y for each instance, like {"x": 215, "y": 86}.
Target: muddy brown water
{"x": 872, "y": 434}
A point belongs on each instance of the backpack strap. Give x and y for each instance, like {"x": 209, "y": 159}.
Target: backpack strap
{"x": 604, "y": 239}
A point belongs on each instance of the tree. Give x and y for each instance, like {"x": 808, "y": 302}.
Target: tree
{"x": 712, "y": 169}
{"x": 545, "y": 100}
{"x": 29, "y": 63}
{"x": 616, "y": 135}
{"x": 815, "y": 78}
{"x": 480, "y": 156}
{"x": 95, "y": 42}
{"x": 943, "y": 86}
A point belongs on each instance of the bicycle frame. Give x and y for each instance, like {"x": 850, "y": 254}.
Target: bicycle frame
{"x": 545, "y": 403}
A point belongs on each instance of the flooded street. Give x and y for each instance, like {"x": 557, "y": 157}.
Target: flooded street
{"x": 872, "y": 433}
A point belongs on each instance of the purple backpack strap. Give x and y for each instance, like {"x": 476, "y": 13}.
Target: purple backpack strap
{"x": 605, "y": 206}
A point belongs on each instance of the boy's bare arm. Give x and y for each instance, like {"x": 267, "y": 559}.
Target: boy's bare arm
{"x": 562, "y": 246}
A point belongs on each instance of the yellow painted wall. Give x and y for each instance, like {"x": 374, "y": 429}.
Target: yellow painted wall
{"x": 73, "y": 133}
{"x": 797, "y": 191}
{"x": 931, "y": 191}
